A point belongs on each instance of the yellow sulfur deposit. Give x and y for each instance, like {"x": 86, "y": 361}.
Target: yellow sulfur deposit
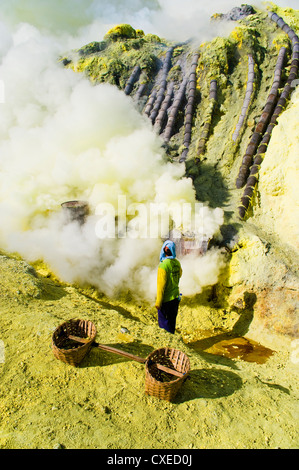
{"x": 120, "y": 31}
{"x": 245, "y": 261}
{"x": 279, "y": 175}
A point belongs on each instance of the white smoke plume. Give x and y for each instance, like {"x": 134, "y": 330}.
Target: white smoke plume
{"x": 62, "y": 138}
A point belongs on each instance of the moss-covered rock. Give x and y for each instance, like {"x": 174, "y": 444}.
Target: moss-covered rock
{"x": 215, "y": 59}
{"x": 152, "y": 38}
{"x": 92, "y": 48}
{"x": 113, "y": 59}
{"x": 119, "y": 32}
{"x": 246, "y": 39}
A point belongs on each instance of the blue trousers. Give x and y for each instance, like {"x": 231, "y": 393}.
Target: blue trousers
{"x": 167, "y": 315}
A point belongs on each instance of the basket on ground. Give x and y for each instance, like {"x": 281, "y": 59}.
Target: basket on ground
{"x": 160, "y": 384}
{"x": 67, "y": 350}
{"x": 165, "y": 369}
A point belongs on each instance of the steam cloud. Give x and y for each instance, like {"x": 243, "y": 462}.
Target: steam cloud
{"x": 62, "y": 138}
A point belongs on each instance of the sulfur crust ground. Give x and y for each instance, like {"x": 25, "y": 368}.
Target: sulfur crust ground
{"x": 226, "y": 403}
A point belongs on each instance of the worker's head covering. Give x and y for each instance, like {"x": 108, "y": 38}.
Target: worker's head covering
{"x": 171, "y": 246}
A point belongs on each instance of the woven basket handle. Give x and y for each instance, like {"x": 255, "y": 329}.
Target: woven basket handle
{"x": 108, "y": 348}
{"x": 119, "y": 352}
{"x": 125, "y": 354}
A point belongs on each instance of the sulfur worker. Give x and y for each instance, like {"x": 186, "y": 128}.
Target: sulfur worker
{"x": 168, "y": 294}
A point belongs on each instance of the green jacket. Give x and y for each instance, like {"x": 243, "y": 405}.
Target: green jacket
{"x": 169, "y": 273}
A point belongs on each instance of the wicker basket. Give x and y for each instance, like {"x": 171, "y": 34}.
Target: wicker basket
{"x": 158, "y": 383}
{"x": 70, "y": 351}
